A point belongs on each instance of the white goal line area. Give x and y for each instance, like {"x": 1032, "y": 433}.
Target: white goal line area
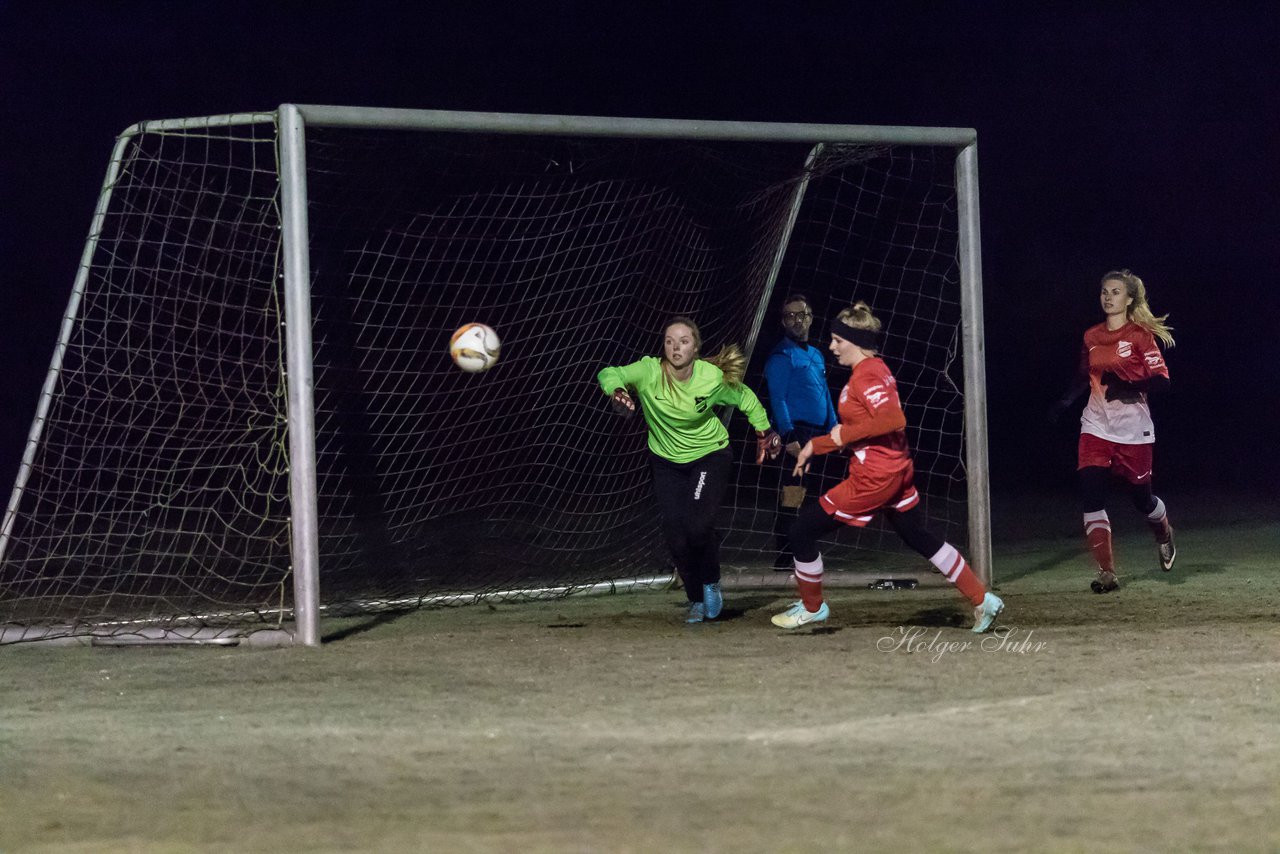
{"x": 251, "y": 403}
{"x": 211, "y": 629}
{"x": 273, "y": 628}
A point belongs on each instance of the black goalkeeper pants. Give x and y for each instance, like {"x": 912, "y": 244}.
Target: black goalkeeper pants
{"x": 689, "y": 495}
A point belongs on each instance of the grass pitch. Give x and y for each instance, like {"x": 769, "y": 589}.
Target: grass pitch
{"x": 1144, "y": 720}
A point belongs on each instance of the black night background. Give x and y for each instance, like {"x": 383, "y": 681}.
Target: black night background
{"x": 1141, "y": 135}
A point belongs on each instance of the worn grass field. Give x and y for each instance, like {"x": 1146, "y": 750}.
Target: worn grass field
{"x": 1145, "y": 720}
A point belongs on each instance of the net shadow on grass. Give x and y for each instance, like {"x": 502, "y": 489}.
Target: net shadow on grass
{"x": 364, "y": 624}
{"x": 1051, "y": 561}
{"x": 804, "y": 632}
{"x": 938, "y": 618}
{"x": 740, "y": 607}
{"x": 1181, "y": 574}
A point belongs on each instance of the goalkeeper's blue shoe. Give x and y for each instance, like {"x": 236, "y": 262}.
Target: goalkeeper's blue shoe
{"x": 985, "y": 614}
{"x": 712, "y": 599}
{"x": 797, "y": 615}
{"x": 697, "y": 612}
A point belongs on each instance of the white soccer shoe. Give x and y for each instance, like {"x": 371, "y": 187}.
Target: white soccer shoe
{"x": 797, "y": 615}
{"x": 985, "y": 614}
{"x": 1167, "y": 553}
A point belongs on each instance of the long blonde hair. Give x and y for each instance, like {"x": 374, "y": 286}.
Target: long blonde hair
{"x": 1139, "y": 310}
{"x": 859, "y": 316}
{"x": 730, "y": 359}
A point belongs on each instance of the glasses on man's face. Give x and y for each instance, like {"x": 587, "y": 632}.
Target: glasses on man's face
{"x": 796, "y": 315}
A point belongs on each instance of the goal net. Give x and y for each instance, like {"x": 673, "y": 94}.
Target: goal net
{"x": 206, "y": 458}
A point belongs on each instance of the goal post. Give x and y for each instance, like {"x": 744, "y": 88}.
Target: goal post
{"x": 250, "y": 420}
{"x": 975, "y": 377}
{"x": 302, "y": 447}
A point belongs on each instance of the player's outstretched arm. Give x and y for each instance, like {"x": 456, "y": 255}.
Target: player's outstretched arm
{"x": 615, "y": 382}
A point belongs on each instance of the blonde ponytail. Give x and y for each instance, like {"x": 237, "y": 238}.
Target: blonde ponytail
{"x": 1140, "y": 310}
{"x": 731, "y": 362}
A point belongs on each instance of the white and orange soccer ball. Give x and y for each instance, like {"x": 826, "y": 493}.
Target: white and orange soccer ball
{"x": 474, "y": 347}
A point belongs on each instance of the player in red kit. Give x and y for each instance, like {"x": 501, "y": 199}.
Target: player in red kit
{"x": 1120, "y": 364}
{"x": 881, "y": 479}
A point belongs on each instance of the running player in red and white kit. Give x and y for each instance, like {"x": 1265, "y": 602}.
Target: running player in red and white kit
{"x": 1120, "y": 364}
{"x": 880, "y": 479}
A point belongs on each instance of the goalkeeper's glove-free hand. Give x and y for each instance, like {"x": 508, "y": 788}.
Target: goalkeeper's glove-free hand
{"x": 768, "y": 443}
{"x": 622, "y": 402}
{"x": 802, "y": 459}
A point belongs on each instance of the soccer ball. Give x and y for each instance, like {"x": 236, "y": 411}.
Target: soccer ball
{"x": 474, "y": 347}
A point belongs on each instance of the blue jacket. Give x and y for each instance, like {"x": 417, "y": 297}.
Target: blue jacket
{"x": 798, "y": 393}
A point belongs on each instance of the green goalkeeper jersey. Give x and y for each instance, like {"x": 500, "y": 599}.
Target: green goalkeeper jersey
{"x": 682, "y": 423}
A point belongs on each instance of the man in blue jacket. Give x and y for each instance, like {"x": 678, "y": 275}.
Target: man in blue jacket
{"x": 800, "y": 406}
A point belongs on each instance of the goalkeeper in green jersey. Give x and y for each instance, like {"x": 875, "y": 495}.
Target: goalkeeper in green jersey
{"x": 689, "y": 446}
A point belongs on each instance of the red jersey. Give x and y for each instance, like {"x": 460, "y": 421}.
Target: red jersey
{"x": 1130, "y": 353}
{"x": 871, "y": 421}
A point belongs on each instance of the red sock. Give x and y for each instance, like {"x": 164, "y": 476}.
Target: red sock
{"x": 956, "y": 569}
{"x": 809, "y": 580}
{"x": 1097, "y": 533}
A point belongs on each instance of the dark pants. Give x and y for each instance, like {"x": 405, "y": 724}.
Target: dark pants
{"x": 813, "y": 523}
{"x": 1095, "y": 482}
{"x": 689, "y": 494}
{"x": 808, "y": 485}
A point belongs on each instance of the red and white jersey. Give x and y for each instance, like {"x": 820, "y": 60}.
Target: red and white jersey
{"x": 871, "y": 421}
{"x": 1130, "y": 353}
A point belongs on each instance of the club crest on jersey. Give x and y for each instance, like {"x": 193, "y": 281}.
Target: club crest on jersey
{"x": 700, "y": 403}
{"x": 1124, "y": 349}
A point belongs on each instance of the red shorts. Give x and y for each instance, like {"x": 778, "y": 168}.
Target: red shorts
{"x": 1131, "y": 462}
{"x": 855, "y": 500}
